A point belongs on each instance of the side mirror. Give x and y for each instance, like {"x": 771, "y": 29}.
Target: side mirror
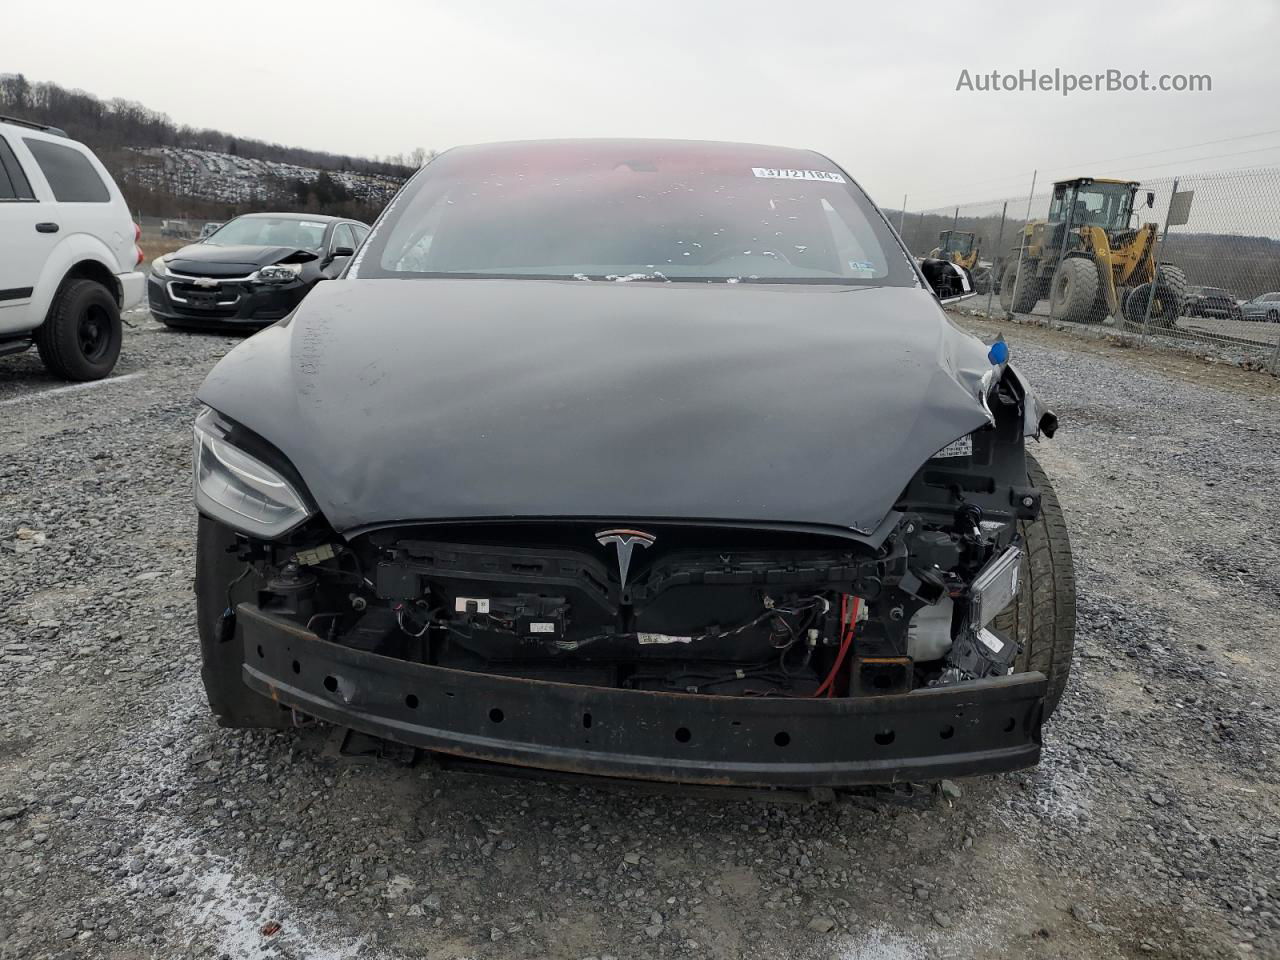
{"x": 1151, "y": 198}
{"x": 948, "y": 281}
{"x": 337, "y": 252}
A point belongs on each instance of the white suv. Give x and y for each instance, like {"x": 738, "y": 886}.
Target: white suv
{"x": 68, "y": 252}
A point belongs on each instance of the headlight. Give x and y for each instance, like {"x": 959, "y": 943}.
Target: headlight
{"x": 994, "y": 587}
{"x": 277, "y": 273}
{"x": 240, "y": 490}
{"x": 159, "y": 266}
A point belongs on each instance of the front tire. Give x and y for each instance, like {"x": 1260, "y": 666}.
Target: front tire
{"x": 1043, "y": 616}
{"x": 219, "y": 585}
{"x": 1028, "y": 290}
{"x": 1075, "y": 292}
{"x": 80, "y": 338}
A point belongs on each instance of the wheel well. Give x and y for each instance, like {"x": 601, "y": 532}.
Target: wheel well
{"x": 95, "y": 271}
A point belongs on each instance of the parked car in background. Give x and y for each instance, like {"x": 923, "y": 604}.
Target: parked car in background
{"x": 68, "y": 252}
{"x": 607, "y": 479}
{"x": 1211, "y": 302}
{"x": 208, "y": 230}
{"x": 252, "y": 270}
{"x": 1265, "y": 306}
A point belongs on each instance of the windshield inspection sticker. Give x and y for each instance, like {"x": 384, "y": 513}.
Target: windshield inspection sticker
{"x": 775, "y": 173}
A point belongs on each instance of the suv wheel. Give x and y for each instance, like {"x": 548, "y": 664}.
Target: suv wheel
{"x": 80, "y": 338}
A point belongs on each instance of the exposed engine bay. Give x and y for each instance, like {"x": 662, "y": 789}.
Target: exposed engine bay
{"x": 707, "y": 608}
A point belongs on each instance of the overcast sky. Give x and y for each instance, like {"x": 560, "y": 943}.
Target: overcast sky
{"x": 871, "y": 85}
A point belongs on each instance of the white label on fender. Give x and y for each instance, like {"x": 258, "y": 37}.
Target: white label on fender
{"x": 542, "y": 627}
{"x": 956, "y": 448}
{"x": 661, "y": 638}
{"x": 777, "y": 173}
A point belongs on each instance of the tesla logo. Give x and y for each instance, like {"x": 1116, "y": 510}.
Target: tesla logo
{"x": 624, "y": 541}
{"x": 205, "y": 282}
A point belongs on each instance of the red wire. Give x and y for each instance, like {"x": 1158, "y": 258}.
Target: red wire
{"x": 828, "y": 685}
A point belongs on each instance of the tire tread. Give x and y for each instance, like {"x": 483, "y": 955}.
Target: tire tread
{"x": 1043, "y": 616}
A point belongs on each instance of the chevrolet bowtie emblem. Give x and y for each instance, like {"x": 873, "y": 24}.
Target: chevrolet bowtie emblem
{"x": 624, "y": 541}
{"x": 205, "y": 282}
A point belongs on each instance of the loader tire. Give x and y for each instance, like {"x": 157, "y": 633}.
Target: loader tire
{"x": 1172, "y": 290}
{"x": 1170, "y": 300}
{"x": 233, "y": 704}
{"x": 1043, "y": 615}
{"x": 1074, "y": 292}
{"x": 982, "y": 280}
{"x": 1028, "y": 289}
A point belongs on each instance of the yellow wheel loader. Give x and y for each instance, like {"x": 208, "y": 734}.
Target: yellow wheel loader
{"x": 961, "y": 248}
{"x": 1090, "y": 261}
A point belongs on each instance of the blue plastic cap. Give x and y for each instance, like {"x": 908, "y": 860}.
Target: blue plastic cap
{"x": 999, "y": 353}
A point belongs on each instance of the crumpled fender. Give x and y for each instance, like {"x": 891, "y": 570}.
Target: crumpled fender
{"x": 1036, "y": 417}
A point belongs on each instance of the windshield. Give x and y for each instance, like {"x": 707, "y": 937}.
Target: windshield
{"x": 1102, "y": 204}
{"x": 270, "y": 232}
{"x": 626, "y": 210}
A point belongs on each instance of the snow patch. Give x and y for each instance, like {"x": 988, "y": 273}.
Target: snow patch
{"x": 218, "y": 902}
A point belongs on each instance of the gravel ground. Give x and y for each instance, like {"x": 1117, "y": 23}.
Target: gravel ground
{"x": 1248, "y": 344}
{"x": 130, "y": 826}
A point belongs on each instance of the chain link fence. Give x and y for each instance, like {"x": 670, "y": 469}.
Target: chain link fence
{"x": 1190, "y": 262}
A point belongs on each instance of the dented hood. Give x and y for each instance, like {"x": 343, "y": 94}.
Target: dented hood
{"x": 208, "y": 259}
{"x": 400, "y": 400}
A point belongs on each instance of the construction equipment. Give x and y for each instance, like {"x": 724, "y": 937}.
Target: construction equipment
{"x": 961, "y": 248}
{"x": 1090, "y": 261}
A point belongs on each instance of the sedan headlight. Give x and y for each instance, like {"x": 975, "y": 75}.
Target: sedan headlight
{"x": 277, "y": 273}
{"x": 160, "y": 266}
{"x": 240, "y": 490}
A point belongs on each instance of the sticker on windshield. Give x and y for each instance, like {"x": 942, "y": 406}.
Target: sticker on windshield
{"x": 862, "y": 269}
{"x": 776, "y": 173}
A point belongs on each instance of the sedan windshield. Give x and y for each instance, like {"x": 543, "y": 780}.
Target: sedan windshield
{"x": 270, "y": 232}
{"x": 635, "y": 210}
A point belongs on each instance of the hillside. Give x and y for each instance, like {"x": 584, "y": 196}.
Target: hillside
{"x": 171, "y": 170}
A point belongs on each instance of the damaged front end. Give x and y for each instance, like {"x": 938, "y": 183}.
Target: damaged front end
{"x": 183, "y": 289}
{"x": 751, "y": 653}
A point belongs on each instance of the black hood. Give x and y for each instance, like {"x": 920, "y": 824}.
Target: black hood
{"x": 210, "y": 260}
{"x": 401, "y": 400}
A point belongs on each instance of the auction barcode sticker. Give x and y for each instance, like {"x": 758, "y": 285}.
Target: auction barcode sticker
{"x": 776, "y": 173}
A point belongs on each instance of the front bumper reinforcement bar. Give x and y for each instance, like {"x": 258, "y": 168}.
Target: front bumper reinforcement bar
{"x": 979, "y": 727}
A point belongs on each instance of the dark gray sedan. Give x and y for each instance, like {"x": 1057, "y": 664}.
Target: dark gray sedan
{"x": 252, "y": 270}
